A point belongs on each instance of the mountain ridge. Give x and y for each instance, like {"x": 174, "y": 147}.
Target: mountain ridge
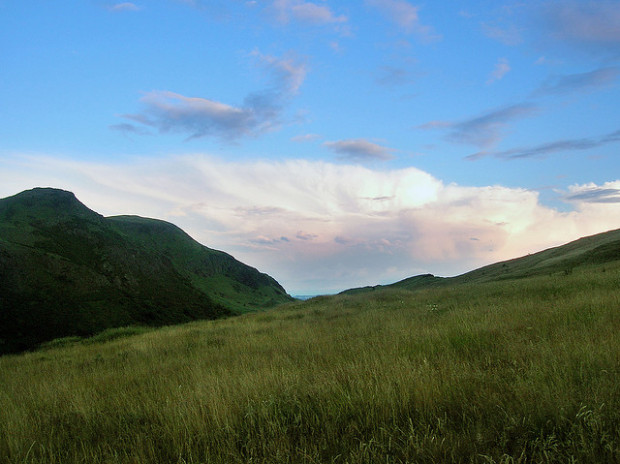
{"x": 66, "y": 270}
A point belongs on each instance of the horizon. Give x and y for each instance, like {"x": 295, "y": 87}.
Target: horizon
{"x": 330, "y": 145}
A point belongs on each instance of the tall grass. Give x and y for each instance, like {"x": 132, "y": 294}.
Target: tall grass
{"x": 519, "y": 371}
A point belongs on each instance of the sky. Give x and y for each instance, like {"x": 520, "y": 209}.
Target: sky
{"x": 330, "y": 144}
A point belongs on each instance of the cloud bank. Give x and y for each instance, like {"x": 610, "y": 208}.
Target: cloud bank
{"x": 322, "y": 227}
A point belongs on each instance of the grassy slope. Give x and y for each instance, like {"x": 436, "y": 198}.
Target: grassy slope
{"x": 599, "y": 248}
{"x": 217, "y": 274}
{"x": 512, "y": 371}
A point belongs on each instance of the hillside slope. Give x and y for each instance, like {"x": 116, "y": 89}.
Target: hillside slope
{"x": 66, "y": 270}
{"x": 596, "y": 249}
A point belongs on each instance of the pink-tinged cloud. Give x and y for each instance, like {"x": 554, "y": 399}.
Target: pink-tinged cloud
{"x": 322, "y": 227}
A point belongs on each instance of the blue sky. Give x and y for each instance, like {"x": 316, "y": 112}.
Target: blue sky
{"x": 330, "y": 144}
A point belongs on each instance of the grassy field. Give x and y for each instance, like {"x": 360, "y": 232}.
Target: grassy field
{"x": 522, "y": 371}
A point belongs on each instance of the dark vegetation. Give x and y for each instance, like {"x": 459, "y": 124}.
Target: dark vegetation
{"x": 68, "y": 271}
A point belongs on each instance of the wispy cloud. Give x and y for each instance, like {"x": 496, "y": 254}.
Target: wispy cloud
{"x": 393, "y": 76}
{"x": 306, "y": 138}
{"x": 319, "y": 226}
{"x": 128, "y": 129}
{"x": 287, "y": 74}
{"x": 508, "y": 35}
{"x": 127, "y": 6}
{"x": 307, "y": 12}
{"x": 586, "y": 22}
{"x": 592, "y": 193}
{"x": 502, "y": 67}
{"x": 360, "y": 150}
{"x": 405, "y": 15}
{"x": 484, "y": 130}
{"x": 580, "y": 82}
{"x": 170, "y": 112}
{"x": 558, "y": 146}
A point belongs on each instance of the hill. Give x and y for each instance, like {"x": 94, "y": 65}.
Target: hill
{"x": 596, "y": 249}
{"x": 66, "y": 270}
{"x": 511, "y": 371}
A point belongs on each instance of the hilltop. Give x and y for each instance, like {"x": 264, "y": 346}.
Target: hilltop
{"x": 66, "y": 270}
{"x": 596, "y": 249}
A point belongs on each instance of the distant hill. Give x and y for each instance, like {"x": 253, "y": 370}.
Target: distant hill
{"x": 596, "y": 249}
{"x": 66, "y": 270}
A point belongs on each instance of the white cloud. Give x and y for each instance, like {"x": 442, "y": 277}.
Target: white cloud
{"x": 318, "y": 226}
{"x": 589, "y": 195}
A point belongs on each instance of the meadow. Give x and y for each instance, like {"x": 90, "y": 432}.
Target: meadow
{"x": 518, "y": 371}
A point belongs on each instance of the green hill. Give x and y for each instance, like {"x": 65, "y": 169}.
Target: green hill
{"x": 596, "y": 249}
{"x": 512, "y": 371}
{"x": 66, "y": 270}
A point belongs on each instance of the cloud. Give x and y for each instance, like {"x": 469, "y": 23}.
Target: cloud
{"x": 393, "y": 76}
{"x": 306, "y": 12}
{"x": 592, "y": 193}
{"x": 306, "y": 138}
{"x": 127, "y": 6}
{"x": 127, "y": 129}
{"x": 585, "y": 22}
{"x": 360, "y": 150}
{"x": 484, "y": 130}
{"x": 305, "y": 236}
{"x": 323, "y": 227}
{"x": 558, "y": 146}
{"x": 508, "y": 36}
{"x": 199, "y": 117}
{"x": 405, "y": 15}
{"x": 502, "y": 67}
{"x": 170, "y": 112}
{"x": 287, "y": 74}
{"x": 580, "y": 82}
